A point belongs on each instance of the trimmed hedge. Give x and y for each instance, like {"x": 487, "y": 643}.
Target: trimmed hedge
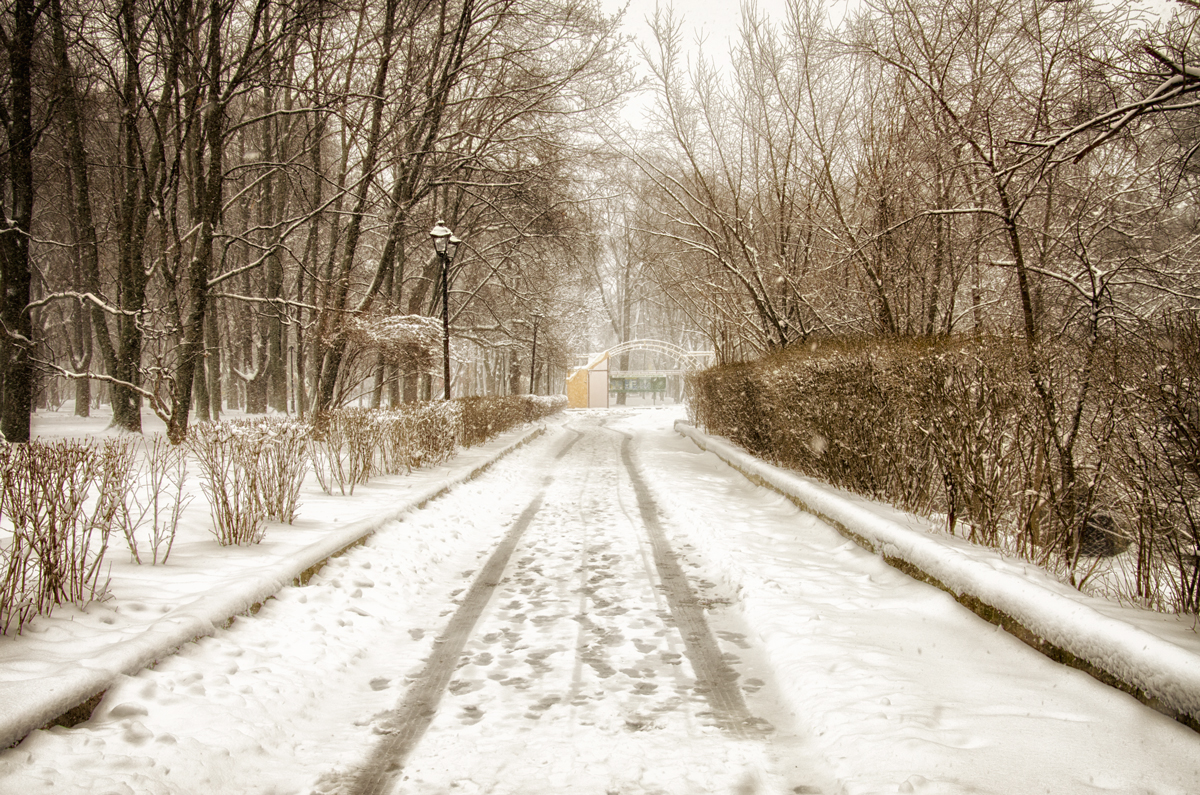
{"x": 956, "y": 428}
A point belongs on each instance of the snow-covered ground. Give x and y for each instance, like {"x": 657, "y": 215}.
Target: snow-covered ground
{"x": 574, "y": 677}
{"x": 62, "y": 659}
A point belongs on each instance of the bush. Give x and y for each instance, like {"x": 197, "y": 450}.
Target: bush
{"x": 351, "y": 445}
{"x": 341, "y": 449}
{"x": 860, "y": 415}
{"x": 59, "y": 532}
{"x": 1157, "y": 459}
{"x": 418, "y": 434}
{"x": 155, "y": 499}
{"x": 281, "y": 463}
{"x": 230, "y": 477}
{"x": 484, "y": 417}
{"x": 956, "y": 427}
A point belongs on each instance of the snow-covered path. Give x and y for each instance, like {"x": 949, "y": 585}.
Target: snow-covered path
{"x": 587, "y": 671}
{"x": 610, "y": 611}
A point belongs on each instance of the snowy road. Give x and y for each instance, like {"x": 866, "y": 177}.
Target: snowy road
{"x": 586, "y": 664}
{"x": 610, "y": 611}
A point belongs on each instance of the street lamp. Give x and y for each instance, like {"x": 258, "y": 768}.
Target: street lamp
{"x": 446, "y": 245}
{"x": 533, "y": 356}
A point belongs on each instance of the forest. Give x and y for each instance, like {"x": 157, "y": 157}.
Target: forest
{"x": 226, "y": 204}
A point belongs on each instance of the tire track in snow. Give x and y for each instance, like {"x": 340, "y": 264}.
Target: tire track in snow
{"x": 406, "y": 724}
{"x": 714, "y": 677}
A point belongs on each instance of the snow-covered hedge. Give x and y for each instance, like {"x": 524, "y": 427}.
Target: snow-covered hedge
{"x": 484, "y": 417}
{"x": 251, "y": 471}
{"x": 1098, "y": 455}
{"x": 352, "y": 445}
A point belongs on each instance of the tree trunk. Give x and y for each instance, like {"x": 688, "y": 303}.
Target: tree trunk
{"x": 212, "y": 363}
{"x": 209, "y": 214}
{"x": 14, "y": 238}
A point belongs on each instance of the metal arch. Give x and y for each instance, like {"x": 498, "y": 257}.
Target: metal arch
{"x": 687, "y": 359}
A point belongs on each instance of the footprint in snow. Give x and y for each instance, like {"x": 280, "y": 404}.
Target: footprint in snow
{"x": 460, "y": 686}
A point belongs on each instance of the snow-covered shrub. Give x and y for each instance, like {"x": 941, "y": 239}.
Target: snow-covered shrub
{"x": 227, "y": 455}
{"x": 485, "y": 417}
{"x": 958, "y": 427}
{"x": 20, "y": 594}
{"x": 977, "y": 418}
{"x": 545, "y": 405}
{"x": 418, "y": 434}
{"x": 58, "y": 531}
{"x": 350, "y": 445}
{"x": 282, "y": 463}
{"x": 154, "y": 499}
{"x": 342, "y": 448}
{"x": 1157, "y": 460}
{"x": 843, "y": 412}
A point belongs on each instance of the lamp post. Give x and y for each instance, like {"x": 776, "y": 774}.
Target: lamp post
{"x": 446, "y": 245}
{"x": 533, "y": 356}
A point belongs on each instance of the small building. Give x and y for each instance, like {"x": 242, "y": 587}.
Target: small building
{"x": 587, "y": 387}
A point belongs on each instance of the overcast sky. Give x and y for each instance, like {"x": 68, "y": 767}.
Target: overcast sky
{"x": 716, "y": 20}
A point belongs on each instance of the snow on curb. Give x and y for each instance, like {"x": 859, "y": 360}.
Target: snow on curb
{"x": 1156, "y": 671}
{"x": 43, "y": 702}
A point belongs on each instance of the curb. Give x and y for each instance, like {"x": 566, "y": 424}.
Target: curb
{"x": 1160, "y": 674}
{"x": 67, "y": 701}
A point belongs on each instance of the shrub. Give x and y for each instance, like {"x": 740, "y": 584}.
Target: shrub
{"x": 281, "y": 464}
{"x": 1157, "y": 459}
{"x": 59, "y": 531}
{"x": 485, "y": 417}
{"x": 230, "y": 477}
{"x": 418, "y": 434}
{"x": 349, "y": 446}
{"x": 342, "y": 448}
{"x": 955, "y": 427}
{"x": 155, "y": 498}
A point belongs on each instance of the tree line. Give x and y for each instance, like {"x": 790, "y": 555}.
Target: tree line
{"x": 918, "y": 168}
{"x": 214, "y": 203}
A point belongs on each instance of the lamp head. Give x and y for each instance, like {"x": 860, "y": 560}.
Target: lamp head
{"x": 441, "y": 237}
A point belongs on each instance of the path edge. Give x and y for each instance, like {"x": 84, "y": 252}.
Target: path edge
{"x": 1158, "y": 673}
{"x": 71, "y": 700}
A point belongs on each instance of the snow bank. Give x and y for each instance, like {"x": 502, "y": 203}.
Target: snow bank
{"x": 1156, "y": 671}
{"x": 30, "y": 704}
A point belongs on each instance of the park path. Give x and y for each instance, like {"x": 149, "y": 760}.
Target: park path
{"x": 582, "y": 659}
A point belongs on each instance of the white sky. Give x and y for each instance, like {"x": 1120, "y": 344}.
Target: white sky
{"x": 715, "y": 20}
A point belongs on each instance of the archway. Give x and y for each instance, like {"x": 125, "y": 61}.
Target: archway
{"x": 588, "y": 386}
